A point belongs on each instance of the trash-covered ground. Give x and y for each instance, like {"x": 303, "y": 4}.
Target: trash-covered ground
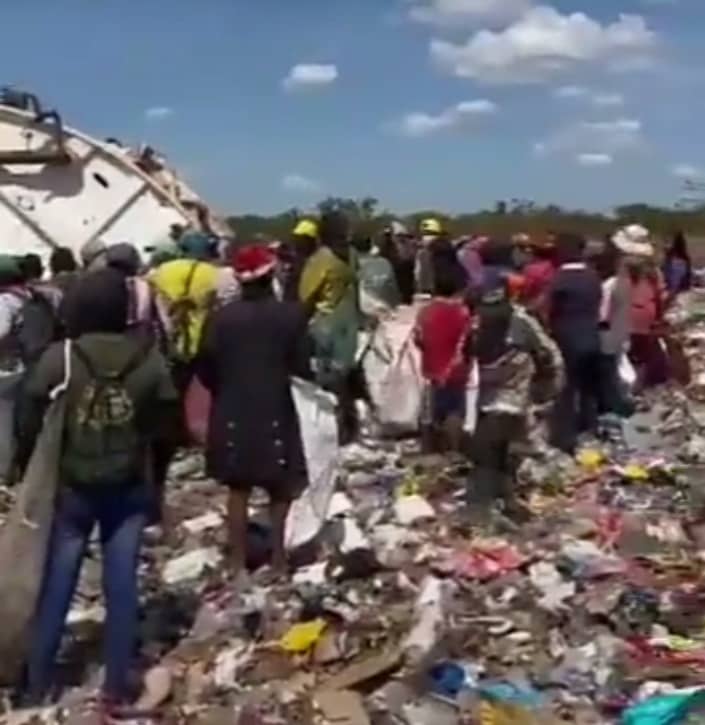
{"x": 401, "y": 614}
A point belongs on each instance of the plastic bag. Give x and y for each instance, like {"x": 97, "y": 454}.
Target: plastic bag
{"x": 472, "y": 395}
{"x": 392, "y": 365}
{"x": 664, "y": 709}
{"x": 301, "y": 637}
{"x": 319, "y": 431}
{"x": 627, "y": 373}
{"x": 25, "y": 536}
{"x": 402, "y": 392}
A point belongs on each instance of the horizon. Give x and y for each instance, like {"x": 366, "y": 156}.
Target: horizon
{"x": 420, "y": 103}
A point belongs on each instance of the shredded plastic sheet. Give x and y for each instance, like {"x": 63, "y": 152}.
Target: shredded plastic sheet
{"x": 319, "y": 430}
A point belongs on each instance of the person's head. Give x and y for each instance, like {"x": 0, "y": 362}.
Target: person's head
{"x": 254, "y": 266}
{"x": 32, "y": 267}
{"x": 93, "y": 253}
{"x": 62, "y": 261}
{"x": 679, "y": 247}
{"x": 633, "y": 242}
{"x": 163, "y": 253}
{"x": 334, "y": 231}
{"x": 570, "y": 248}
{"x": 176, "y": 231}
{"x": 304, "y": 236}
{"x": 448, "y": 278}
{"x": 101, "y": 303}
{"x": 124, "y": 258}
{"x": 10, "y": 271}
{"x": 497, "y": 253}
{"x": 430, "y": 228}
{"x": 198, "y": 246}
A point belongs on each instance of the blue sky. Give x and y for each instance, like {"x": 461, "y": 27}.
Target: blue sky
{"x": 449, "y": 104}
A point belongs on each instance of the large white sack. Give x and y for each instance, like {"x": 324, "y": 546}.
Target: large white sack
{"x": 392, "y": 367}
{"x": 319, "y": 432}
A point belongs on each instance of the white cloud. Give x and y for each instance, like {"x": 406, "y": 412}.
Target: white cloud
{"x": 543, "y": 43}
{"x": 310, "y": 75}
{"x": 594, "y": 159}
{"x": 601, "y": 99}
{"x": 602, "y": 137}
{"x": 687, "y": 171}
{"x": 158, "y": 113}
{"x": 608, "y": 99}
{"x": 451, "y": 13}
{"x": 571, "y": 92}
{"x": 299, "y": 184}
{"x": 424, "y": 124}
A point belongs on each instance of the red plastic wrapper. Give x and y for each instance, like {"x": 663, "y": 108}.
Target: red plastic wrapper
{"x": 485, "y": 562}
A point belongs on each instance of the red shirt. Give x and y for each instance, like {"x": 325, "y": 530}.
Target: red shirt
{"x": 442, "y": 328}
{"x": 538, "y": 276}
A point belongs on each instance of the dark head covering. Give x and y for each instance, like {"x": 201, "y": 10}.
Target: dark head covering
{"x": 334, "y": 232}
{"x": 62, "y": 260}
{"x": 124, "y": 258}
{"x": 98, "y": 303}
{"x": 32, "y": 267}
{"x": 197, "y": 245}
{"x": 10, "y": 270}
{"x": 570, "y": 248}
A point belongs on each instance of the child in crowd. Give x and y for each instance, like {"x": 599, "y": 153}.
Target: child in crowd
{"x": 443, "y": 334}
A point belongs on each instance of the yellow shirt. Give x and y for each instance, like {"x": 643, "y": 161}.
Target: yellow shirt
{"x": 325, "y": 280}
{"x": 186, "y": 280}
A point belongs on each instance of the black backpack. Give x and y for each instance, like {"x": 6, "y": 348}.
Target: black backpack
{"x": 103, "y": 445}
{"x": 36, "y": 326}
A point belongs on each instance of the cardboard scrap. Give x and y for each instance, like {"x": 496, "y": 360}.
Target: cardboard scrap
{"x": 342, "y": 707}
{"x": 363, "y": 670}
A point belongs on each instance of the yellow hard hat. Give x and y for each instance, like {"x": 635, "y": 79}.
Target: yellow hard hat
{"x": 431, "y": 226}
{"x": 306, "y": 228}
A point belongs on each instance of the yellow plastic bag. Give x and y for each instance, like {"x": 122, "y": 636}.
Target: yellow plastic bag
{"x": 590, "y": 459}
{"x": 635, "y": 473}
{"x": 301, "y": 637}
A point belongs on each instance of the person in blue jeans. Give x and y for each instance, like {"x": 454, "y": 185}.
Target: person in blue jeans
{"x": 103, "y": 475}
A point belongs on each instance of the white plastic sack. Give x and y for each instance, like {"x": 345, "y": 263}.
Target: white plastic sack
{"x": 627, "y": 373}
{"x": 401, "y": 396}
{"x": 472, "y": 395}
{"x": 392, "y": 367}
{"x": 319, "y": 431}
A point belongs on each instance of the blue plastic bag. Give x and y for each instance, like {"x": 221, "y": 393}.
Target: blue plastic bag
{"x": 664, "y": 709}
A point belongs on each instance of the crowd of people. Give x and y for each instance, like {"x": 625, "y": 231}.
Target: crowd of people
{"x": 541, "y": 321}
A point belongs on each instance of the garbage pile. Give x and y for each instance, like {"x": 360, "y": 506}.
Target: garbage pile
{"x": 400, "y": 613}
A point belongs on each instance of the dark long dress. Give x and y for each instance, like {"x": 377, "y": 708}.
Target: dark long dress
{"x": 249, "y": 351}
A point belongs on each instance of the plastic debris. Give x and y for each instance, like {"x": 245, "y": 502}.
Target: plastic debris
{"x": 302, "y": 637}
{"x": 191, "y": 565}
{"x": 665, "y": 709}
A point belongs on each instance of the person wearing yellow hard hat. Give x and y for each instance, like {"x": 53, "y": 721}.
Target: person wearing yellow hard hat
{"x": 294, "y": 255}
{"x": 434, "y": 248}
{"x": 430, "y": 227}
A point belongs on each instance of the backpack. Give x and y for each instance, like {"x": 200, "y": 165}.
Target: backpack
{"x": 36, "y": 325}
{"x": 103, "y": 445}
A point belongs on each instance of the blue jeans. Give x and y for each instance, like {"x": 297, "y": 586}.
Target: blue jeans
{"x": 121, "y": 516}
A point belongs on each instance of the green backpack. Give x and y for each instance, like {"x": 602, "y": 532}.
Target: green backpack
{"x": 102, "y": 445}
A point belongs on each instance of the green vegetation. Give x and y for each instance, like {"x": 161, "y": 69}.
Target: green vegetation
{"x": 507, "y": 217}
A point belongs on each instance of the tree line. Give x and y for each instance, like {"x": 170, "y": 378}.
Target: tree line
{"x": 505, "y": 218}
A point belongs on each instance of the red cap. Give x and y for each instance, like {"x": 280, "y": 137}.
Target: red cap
{"x": 253, "y": 262}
